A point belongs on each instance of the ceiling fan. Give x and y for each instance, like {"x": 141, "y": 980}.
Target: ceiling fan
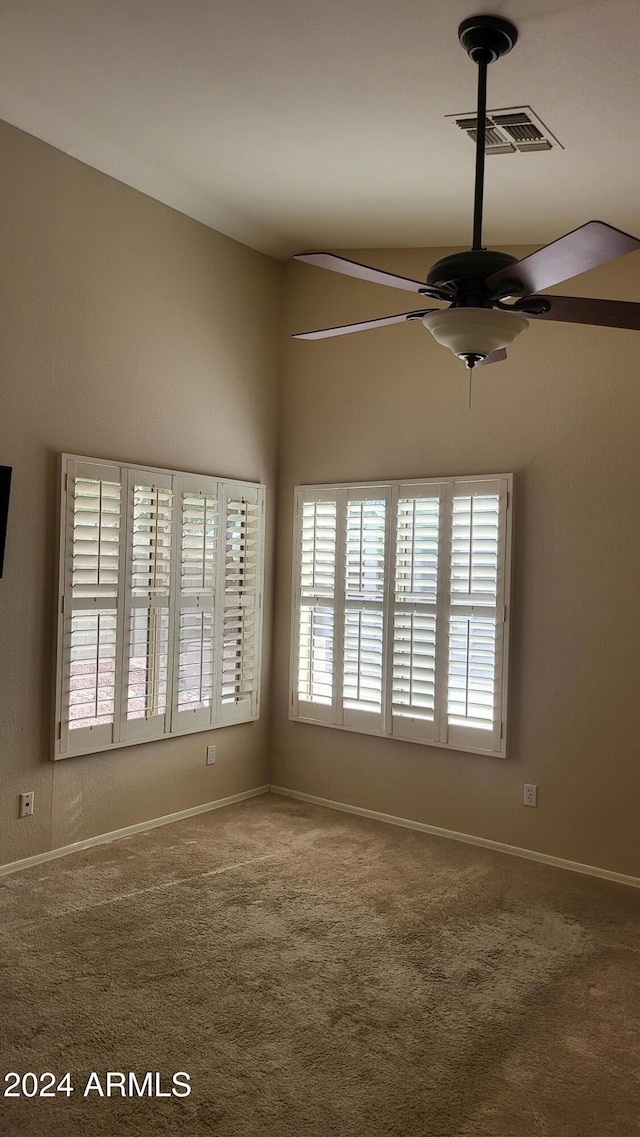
{"x": 479, "y": 324}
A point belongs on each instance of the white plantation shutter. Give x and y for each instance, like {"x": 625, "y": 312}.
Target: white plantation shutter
{"x": 91, "y": 570}
{"x": 147, "y": 616}
{"x": 415, "y": 612}
{"x": 198, "y": 588}
{"x": 400, "y": 603}
{"x": 313, "y": 645}
{"x": 476, "y": 614}
{"x": 241, "y": 603}
{"x": 364, "y": 593}
{"x": 160, "y": 604}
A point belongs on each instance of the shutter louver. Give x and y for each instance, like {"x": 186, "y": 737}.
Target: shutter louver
{"x": 472, "y": 650}
{"x": 89, "y": 640}
{"x": 315, "y": 671}
{"x": 195, "y": 681}
{"x": 240, "y": 610}
{"x": 472, "y": 680}
{"x": 317, "y": 602}
{"x": 148, "y": 631}
{"x": 364, "y": 560}
{"x": 92, "y": 667}
{"x": 199, "y": 559}
{"x": 415, "y": 616}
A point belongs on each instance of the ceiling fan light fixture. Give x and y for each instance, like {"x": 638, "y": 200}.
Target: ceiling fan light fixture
{"x": 474, "y": 332}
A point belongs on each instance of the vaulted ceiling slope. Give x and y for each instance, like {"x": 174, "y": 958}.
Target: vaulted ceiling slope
{"x": 289, "y": 124}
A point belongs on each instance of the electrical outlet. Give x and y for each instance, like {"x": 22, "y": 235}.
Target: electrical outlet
{"x": 26, "y": 804}
{"x": 211, "y": 755}
{"x": 530, "y": 795}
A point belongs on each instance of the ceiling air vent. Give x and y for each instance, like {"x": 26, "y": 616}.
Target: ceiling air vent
{"x": 509, "y": 130}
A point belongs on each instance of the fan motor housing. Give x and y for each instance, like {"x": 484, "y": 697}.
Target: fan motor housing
{"x": 465, "y": 274}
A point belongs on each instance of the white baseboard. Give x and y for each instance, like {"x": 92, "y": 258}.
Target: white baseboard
{"x": 130, "y": 831}
{"x": 483, "y": 842}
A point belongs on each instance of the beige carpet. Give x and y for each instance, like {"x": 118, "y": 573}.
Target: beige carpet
{"x": 319, "y": 975}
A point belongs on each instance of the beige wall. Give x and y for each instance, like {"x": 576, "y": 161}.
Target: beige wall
{"x": 564, "y": 414}
{"x": 131, "y": 332}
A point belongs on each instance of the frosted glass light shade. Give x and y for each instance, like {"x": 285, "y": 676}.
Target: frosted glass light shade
{"x": 474, "y": 331}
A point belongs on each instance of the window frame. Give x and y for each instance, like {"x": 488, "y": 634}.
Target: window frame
{"x": 445, "y": 736}
{"x": 132, "y": 731}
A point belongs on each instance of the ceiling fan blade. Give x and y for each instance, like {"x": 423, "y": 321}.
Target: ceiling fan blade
{"x": 373, "y": 275}
{"x": 495, "y": 357}
{"x": 585, "y": 248}
{"x": 583, "y": 310}
{"x": 345, "y": 329}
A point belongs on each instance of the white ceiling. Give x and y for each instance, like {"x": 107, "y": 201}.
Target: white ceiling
{"x": 297, "y": 124}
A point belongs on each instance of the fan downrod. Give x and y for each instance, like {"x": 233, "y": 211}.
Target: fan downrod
{"x": 487, "y": 38}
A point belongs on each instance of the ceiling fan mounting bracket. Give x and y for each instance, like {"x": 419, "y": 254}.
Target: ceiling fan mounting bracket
{"x": 464, "y": 274}
{"x": 486, "y": 38}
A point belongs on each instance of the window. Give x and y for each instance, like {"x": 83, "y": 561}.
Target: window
{"x": 160, "y": 604}
{"x": 401, "y": 598}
